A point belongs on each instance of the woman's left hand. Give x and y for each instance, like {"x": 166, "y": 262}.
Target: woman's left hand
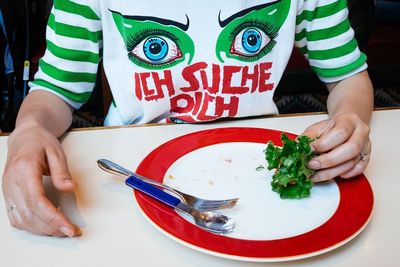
{"x": 342, "y": 146}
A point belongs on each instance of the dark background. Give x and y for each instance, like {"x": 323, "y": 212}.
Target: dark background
{"x": 376, "y": 24}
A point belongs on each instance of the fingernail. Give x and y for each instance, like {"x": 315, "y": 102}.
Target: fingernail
{"x": 78, "y": 232}
{"x": 69, "y": 180}
{"x": 315, "y": 178}
{"x": 314, "y": 164}
{"x": 67, "y": 231}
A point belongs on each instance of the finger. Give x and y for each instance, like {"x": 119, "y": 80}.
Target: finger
{"x": 342, "y": 153}
{"x": 333, "y": 138}
{"x": 12, "y": 212}
{"x": 36, "y": 202}
{"x": 55, "y": 222}
{"x": 357, "y": 170}
{"x": 330, "y": 173}
{"x": 16, "y": 220}
{"x": 58, "y": 167}
{"x": 318, "y": 129}
{"x": 19, "y": 216}
{"x": 361, "y": 165}
{"x": 22, "y": 218}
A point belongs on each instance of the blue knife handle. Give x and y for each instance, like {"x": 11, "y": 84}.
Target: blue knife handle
{"x": 152, "y": 191}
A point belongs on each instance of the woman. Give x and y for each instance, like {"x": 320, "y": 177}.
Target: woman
{"x": 185, "y": 61}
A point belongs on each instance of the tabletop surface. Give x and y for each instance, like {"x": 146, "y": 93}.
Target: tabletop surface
{"x": 115, "y": 232}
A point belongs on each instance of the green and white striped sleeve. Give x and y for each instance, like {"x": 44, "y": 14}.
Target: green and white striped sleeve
{"x": 74, "y": 43}
{"x": 326, "y": 39}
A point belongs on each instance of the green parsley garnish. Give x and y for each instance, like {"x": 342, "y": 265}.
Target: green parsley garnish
{"x": 292, "y": 176}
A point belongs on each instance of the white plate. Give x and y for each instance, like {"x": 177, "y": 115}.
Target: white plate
{"x": 223, "y": 163}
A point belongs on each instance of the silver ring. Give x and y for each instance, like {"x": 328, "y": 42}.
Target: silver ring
{"x": 11, "y": 208}
{"x": 363, "y": 156}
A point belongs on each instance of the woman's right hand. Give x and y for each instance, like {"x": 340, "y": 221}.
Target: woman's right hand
{"x": 32, "y": 153}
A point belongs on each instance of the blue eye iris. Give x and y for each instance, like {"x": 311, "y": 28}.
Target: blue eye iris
{"x": 251, "y": 40}
{"x": 155, "y": 48}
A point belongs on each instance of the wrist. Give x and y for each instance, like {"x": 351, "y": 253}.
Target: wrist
{"x": 42, "y": 123}
{"x": 28, "y": 124}
{"x": 353, "y": 116}
{"x": 25, "y": 132}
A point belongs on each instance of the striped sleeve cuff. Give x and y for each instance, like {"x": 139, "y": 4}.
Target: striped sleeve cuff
{"x": 74, "y": 46}
{"x": 324, "y": 36}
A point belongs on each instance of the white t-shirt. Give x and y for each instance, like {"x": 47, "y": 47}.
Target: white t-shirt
{"x": 191, "y": 60}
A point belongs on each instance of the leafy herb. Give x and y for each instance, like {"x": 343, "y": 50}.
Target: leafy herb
{"x": 292, "y": 176}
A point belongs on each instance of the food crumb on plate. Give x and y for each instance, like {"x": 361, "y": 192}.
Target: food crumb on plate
{"x": 226, "y": 160}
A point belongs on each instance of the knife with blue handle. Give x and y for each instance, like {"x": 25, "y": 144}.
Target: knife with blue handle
{"x": 153, "y": 191}
{"x": 207, "y": 220}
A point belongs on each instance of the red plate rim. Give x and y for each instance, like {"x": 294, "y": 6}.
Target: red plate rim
{"x": 351, "y": 216}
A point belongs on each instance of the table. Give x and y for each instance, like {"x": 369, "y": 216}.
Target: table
{"x": 115, "y": 232}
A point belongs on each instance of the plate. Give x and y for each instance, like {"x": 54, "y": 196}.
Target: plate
{"x": 224, "y": 162}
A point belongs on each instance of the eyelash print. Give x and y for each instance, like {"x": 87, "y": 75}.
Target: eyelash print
{"x": 134, "y": 39}
{"x": 140, "y": 43}
{"x": 267, "y": 29}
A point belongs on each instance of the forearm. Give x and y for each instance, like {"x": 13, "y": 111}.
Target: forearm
{"x": 352, "y": 95}
{"x": 45, "y": 110}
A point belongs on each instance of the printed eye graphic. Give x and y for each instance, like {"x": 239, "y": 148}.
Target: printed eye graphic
{"x": 250, "y": 42}
{"x": 156, "y": 50}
